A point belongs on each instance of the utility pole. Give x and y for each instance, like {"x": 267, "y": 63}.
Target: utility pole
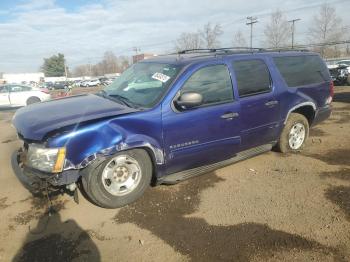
{"x": 136, "y": 50}
{"x": 293, "y": 27}
{"x": 65, "y": 70}
{"x": 252, "y": 20}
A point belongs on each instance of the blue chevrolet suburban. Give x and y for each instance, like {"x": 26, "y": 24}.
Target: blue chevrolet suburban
{"x": 170, "y": 118}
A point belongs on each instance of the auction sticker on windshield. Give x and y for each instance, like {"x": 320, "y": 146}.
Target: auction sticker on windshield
{"x": 160, "y": 77}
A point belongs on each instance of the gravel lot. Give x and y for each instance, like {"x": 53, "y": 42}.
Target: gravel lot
{"x": 269, "y": 208}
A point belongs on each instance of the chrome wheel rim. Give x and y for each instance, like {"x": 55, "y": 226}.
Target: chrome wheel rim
{"x": 297, "y": 136}
{"x": 121, "y": 175}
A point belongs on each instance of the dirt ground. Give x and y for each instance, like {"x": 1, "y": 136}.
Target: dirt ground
{"x": 269, "y": 208}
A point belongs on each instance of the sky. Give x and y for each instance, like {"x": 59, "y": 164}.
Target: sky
{"x": 83, "y": 30}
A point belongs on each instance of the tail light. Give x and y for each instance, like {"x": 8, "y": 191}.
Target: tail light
{"x": 45, "y": 90}
{"x": 331, "y": 89}
{"x": 331, "y": 93}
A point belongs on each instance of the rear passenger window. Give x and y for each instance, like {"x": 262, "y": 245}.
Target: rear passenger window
{"x": 252, "y": 77}
{"x": 212, "y": 82}
{"x": 302, "y": 70}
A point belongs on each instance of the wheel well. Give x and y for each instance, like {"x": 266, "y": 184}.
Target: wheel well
{"x": 306, "y": 111}
{"x": 153, "y": 160}
{"x": 33, "y": 97}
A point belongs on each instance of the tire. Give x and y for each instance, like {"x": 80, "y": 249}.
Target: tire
{"x": 33, "y": 100}
{"x": 295, "y": 121}
{"x": 99, "y": 187}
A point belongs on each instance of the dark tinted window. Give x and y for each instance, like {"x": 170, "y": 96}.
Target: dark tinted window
{"x": 212, "y": 82}
{"x": 252, "y": 77}
{"x": 302, "y": 70}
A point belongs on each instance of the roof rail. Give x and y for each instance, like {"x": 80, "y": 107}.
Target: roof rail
{"x": 213, "y": 50}
{"x": 238, "y": 50}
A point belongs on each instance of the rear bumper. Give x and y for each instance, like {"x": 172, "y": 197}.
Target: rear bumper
{"x": 322, "y": 114}
{"x": 36, "y": 181}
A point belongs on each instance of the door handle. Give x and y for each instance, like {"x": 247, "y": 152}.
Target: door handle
{"x": 229, "y": 115}
{"x": 271, "y": 103}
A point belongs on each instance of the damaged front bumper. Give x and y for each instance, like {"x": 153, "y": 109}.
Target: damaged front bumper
{"x": 37, "y": 181}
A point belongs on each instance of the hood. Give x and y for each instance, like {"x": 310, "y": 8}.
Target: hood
{"x": 35, "y": 121}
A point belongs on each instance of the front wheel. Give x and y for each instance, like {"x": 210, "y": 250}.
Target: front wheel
{"x": 294, "y": 134}
{"x": 119, "y": 180}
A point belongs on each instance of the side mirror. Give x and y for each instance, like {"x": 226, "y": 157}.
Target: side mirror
{"x": 189, "y": 100}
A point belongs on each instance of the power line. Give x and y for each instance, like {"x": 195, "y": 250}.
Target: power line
{"x": 261, "y": 15}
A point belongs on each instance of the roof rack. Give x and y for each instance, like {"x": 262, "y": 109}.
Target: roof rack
{"x": 238, "y": 50}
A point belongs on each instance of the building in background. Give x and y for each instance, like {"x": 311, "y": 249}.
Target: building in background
{"x": 140, "y": 57}
{"x": 18, "y": 78}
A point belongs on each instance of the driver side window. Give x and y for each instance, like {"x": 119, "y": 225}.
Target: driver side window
{"x": 212, "y": 82}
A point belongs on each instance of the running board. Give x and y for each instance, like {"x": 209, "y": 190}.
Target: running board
{"x": 183, "y": 175}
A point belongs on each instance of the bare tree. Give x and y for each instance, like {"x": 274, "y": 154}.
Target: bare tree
{"x": 326, "y": 27}
{"x": 188, "y": 41}
{"x": 110, "y": 62}
{"x": 210, "y": 35}
{"x": 81, "y": 70}
{"x": 239, "y": 40}
{"x": 277, "y": 30}
{"x": 123, "y": 63}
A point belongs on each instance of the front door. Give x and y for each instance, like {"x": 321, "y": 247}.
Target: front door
{"x": 4, "y": 96}
{"x": 208, "y": 133}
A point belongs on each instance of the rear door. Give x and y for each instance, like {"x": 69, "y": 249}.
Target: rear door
{"x": 259, "y": 106}
{"x": 206, "y": 134}
{"x": 4, "y": 96}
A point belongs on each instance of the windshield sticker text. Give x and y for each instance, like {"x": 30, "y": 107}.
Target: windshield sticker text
{"x": 160, "y": 77}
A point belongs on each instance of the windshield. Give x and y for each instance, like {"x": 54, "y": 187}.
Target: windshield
{"x": 142, "y": 84}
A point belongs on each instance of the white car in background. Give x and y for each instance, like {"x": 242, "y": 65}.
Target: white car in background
{"x": 92, "y": 82}
{"x": 13, "y": 95}
{"x": 345, "y": 63}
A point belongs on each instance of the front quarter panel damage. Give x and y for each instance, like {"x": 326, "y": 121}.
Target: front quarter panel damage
{"x": 104, "y": 138}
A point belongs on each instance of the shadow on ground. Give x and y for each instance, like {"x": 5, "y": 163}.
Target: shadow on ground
{"x": 54, "y": 240}
{"x": 163, "y": 212}
{"x": 340, "y": 195}
{"x": 343, "y": 97}
{"x": 332, "y": 157}
{"x": 342, "y": 174}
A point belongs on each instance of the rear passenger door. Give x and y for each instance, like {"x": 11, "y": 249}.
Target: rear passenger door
{"x": 259, "y": 105}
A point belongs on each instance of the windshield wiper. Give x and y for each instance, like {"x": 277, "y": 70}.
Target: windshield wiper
{"x": 122, "y": 99}
{"x": 114, "y": 98}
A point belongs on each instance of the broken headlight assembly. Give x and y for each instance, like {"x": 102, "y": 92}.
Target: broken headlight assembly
{"x": 46, "y": 159}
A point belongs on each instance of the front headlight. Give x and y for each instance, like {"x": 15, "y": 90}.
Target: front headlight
{"x": 46, "y": 159}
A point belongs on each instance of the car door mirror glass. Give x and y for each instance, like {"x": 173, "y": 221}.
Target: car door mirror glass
{"x": 189, "y": 100}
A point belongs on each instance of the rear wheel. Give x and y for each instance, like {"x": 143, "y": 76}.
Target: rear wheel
{"x": 33, "y": 100}
{"x": 294, "y": 134}
{"x": 119, "y": 180}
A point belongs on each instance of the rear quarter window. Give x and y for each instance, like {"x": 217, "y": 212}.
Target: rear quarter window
{"x": 302, "y": 70}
